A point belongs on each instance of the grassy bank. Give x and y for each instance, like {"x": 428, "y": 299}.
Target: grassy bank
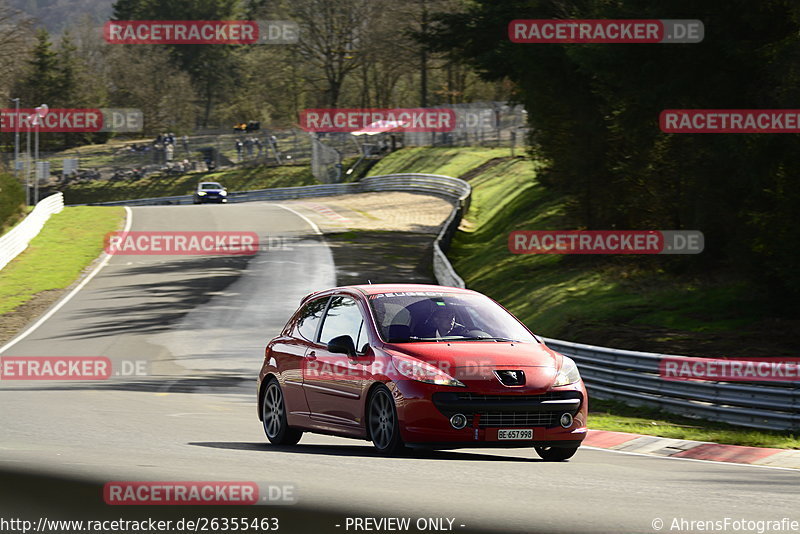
{"x": 621, "y": 301}
{"x": 67, "y": 244}
{"x": 456, "y": 161}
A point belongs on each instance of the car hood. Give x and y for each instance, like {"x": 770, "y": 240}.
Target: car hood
{"x": 474, "y": 362}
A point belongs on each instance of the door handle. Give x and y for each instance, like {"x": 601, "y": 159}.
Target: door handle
{"x": 311, "y": 355}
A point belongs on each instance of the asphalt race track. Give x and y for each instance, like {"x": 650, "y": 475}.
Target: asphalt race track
{"x": 199, "y": 324}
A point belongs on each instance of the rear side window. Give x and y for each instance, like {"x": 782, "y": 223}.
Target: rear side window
{"x": 309, "y": 318}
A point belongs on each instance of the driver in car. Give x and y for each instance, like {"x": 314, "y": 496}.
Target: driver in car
{"x": 442, "y": 323}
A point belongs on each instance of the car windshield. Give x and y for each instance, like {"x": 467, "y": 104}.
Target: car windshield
{"x": 210, "y": 185}
{"x": 404, "y": 317}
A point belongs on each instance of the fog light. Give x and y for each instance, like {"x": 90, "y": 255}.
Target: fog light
{"x": 566, "y": 420}
{"x": 458, "y": 421}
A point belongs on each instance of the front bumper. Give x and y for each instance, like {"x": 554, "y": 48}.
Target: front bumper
{"x": 424, "y": 411}
{"x": 209, "y": 200}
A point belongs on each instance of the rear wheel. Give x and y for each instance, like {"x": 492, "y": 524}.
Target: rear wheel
{"x": 556, "y": 454}
{"x": 273, "y": 415}
{"x": 382, "y": 423}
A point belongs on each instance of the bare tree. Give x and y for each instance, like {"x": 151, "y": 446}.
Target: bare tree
{"x": 417, "y": 15}
{"x": 16, "y": 38}
{"x": 146, "y": 79}
{"x": 333, "y": 41}
{"x": 386, "y": 57}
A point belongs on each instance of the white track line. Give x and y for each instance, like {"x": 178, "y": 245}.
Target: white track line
{"x": 306, "y": 219}
{"x": 716, "y": 462}
{"x": 62, "y": 302}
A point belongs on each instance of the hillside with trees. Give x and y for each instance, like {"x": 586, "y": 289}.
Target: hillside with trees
{"x": 353, "y": 53}
{"x": 594, "y": 111}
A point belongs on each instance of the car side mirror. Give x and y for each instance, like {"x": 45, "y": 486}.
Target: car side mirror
{"x": 342, "y": 345}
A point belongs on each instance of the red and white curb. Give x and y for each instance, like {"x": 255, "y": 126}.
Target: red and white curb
{"x": 697, "y": 450}
{"x": 325, "y": 211}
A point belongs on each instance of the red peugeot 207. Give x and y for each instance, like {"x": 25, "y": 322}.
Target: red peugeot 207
{"x": 419, "y": 366}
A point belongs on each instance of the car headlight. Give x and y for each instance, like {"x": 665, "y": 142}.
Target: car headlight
{"x": 201, "y": 193}
{"x": 423, "y": 372}
{"x": 568, "y": 374}
{"x": 223, "y": 193}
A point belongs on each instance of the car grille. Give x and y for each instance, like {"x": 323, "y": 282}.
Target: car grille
{"x": 504, "y": 419}
{"x": 491, "y": 398}
{"x": 508, "y": 410}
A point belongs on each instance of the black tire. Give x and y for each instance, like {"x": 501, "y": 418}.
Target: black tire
{"x": 273, "y": 415}
{"x": 383, "y": 427}
{"x": 556, "y": 454}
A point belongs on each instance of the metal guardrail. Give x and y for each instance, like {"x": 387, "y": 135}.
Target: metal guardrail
{"x": 443, "y": 270}
{"x": 628, "y": 376}
{"x": 633, "y": 377}
{"x": 18, "y": 238}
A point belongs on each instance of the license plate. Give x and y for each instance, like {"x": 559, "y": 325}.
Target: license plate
{"x": 515, "y": 433}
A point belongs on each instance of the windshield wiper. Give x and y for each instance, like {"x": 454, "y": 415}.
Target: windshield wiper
{"x": 461, "y": 338}
{"x": 437, "y": 339}
{"x": 489, "y": 338}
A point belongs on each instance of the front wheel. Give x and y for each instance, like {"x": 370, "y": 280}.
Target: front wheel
{"x": 556, "y": 454}
{"x": 273, "y": 415}
{"x": 382, "y": 423}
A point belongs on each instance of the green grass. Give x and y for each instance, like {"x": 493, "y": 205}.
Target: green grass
{"x": 67, "y": 244}
{"x": 237, "y": 179}
{"x": 617, "y": 417}
{"x": 557, "y": 295}
{"x": 573, "y": 297}
{"x": 454, "y": 161}
{"x": 111, "y": 154}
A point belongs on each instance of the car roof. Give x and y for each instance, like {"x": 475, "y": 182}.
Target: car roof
{"x": 377, "y": 289}
{"x": 207, "y": 183}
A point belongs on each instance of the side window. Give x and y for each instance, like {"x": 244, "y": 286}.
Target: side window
{"x": 343, "y": 319}
{"x": 309, "y": 318}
